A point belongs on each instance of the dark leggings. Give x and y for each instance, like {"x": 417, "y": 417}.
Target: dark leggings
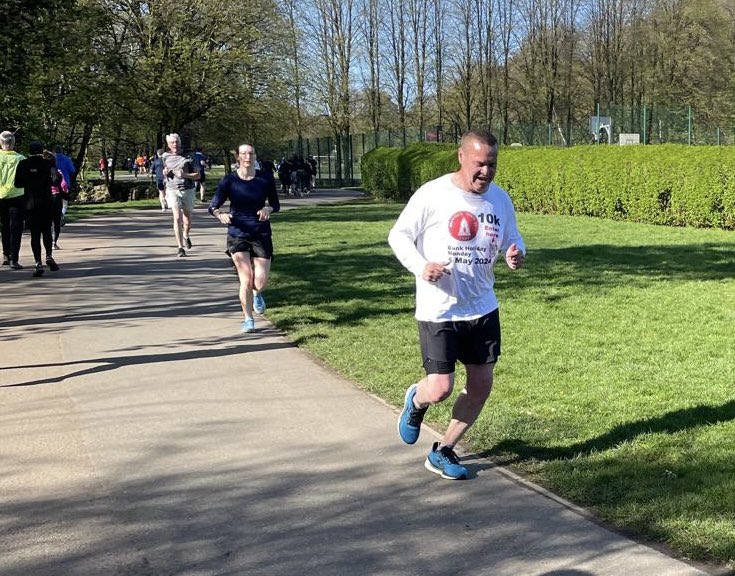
{"x": 40, "y": 226}
{"x": 11, "y": 223}
{"x": 58, "y": 208}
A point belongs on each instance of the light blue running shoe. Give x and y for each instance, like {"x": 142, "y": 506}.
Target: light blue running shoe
{"x": 258, "y": 302}
{"x": 445, "y": 463}
{"x": 248, "y": 325}
{"x": 409, "y": 421}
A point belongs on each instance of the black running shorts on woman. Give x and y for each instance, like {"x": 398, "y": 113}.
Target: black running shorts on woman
{"x": 467, "y": 341}
{"x": 257, "y": 247}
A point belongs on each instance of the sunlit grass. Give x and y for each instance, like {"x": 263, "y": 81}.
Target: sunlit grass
{"x": 615, "y": 386}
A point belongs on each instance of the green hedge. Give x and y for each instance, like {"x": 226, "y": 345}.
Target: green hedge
{"x": 665, "y": 184}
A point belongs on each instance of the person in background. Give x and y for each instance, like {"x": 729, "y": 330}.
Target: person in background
{"x": 200, "y": 163}
{"x": 268, "y": 169}
{"x": 12, "y": 202}
{"x": 159, "y": 178}
{"x": 66, "y": 166}
{"x": 311, "y": 161}
{"x": 60, "y": 194}
{"x": 449, "y": 235}
{"x": 181, "y": 176}
{"x": 284, "y": 176}
{"x": 36, "y": 175}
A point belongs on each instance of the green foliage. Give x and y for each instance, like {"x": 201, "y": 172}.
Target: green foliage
{"x": 381, "y": 172}
{"x": 671, "y": 184}
{"x": 395, "y": 173}
{"x": 40, "y": 43}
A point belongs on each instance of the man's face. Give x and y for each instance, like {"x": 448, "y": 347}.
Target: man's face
{"x": 174, "y": 146}
{"x": 477, "y": 165}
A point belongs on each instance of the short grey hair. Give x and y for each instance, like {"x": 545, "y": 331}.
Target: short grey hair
{"x": 173, "y": 137}
{"x": 483, "y": 136}
{"x": 7, "y": 139}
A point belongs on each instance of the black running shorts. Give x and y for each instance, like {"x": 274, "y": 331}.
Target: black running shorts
{"x": 256, "y": 247}
{"x": 467, "y": 341}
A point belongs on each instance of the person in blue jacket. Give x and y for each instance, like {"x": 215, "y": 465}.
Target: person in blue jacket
{"x": 249, "y": 237}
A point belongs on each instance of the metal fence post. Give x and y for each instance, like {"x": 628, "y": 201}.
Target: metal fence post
{"x": 329, "y": 158}
{"x": 352, "y": 159}
{"x": 319, "y": 161}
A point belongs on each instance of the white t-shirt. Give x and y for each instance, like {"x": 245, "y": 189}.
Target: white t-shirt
{"x": 443, "y": 223}
{"x": 178, "y": 163}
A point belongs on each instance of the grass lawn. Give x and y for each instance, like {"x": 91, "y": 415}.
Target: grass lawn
{"x": 615, "y": 387}
{"x": 77, "y": 211}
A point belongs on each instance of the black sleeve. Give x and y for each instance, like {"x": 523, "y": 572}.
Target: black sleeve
{"x": 20, "y": 175}
{"x": 220, "y": 196}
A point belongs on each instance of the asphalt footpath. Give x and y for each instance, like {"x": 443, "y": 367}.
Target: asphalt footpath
{"x": 141, "y": 434}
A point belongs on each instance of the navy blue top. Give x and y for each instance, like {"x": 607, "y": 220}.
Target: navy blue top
{"x": 246, "y": 198}
{"x": 157, "y": 169}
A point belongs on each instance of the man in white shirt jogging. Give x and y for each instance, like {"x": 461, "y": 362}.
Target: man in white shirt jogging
{"x": 449, "y": 236}
{"x": 181, "y": 178}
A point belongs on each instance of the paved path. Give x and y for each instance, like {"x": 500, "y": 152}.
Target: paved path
{"x": 142, "y": 435}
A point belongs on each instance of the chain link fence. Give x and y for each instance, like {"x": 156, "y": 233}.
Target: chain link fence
{"x": 612, "y": 125}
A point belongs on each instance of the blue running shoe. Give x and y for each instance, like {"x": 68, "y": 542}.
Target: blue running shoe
{"x": 409, "y": 421}
{"x": 446, "y": 463}
{"x": 248, "y": 325}
{"x": 258, "y": 302}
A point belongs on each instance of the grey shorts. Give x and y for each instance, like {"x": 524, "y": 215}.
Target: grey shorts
{"x": 467, "y": 341}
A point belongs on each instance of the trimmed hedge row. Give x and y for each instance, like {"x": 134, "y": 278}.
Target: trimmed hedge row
{"x": 670, "y": 184}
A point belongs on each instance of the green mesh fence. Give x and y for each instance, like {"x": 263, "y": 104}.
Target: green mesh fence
{"x": 651, "y": 124}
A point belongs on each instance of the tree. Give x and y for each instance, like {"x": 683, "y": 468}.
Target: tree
{"x": 371, "y": 10}
{"x": 418, "y": 19}
{"x": 397, "y": 59}
{"x": 331, "y": 45}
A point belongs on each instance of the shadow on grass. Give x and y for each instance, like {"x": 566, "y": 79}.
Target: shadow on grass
{"x": 645, "y": 493}
{"x": 353, "y": 284}
{"x": 669, "y": 423}
{"x": 599, "y": 265}
{"x": 605, "y": 265}
{"x": 345, "y": 286}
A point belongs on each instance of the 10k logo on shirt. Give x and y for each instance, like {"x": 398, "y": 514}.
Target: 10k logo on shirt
{"x": 463, "y": 226}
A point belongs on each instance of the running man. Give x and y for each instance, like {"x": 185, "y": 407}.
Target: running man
{"x": 181, "y": 177}
{"x": 249, "y": 238}
{"x": 449, "y": 236}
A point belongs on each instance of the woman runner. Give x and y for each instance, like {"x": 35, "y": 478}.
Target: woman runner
{"x": 249, "y": 239}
